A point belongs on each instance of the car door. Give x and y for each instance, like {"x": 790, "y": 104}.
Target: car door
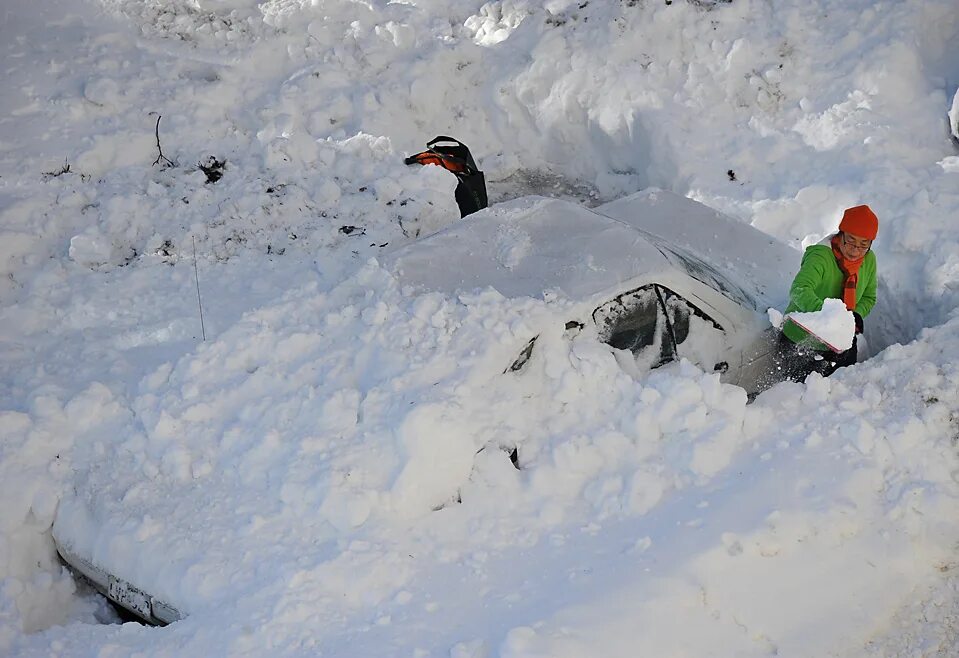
{"x": 636, "y": 321}
{"x": 659, "y": 325}
{"x": 699, "y": 335}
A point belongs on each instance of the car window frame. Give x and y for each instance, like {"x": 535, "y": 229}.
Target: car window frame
{"x": 618, "y": 298}
{"x": 662, "y": 294}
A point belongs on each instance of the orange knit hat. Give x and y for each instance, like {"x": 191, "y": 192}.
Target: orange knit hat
{"x": 860, "y": 221}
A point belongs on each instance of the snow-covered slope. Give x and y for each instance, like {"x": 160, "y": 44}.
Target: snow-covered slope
{"x": 282, "y": 474}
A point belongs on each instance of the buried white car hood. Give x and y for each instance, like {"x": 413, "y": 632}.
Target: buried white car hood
{"x": 531, "y": 245}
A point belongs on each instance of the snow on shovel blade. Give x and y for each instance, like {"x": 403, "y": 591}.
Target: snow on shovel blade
{"x": 813, "y": 334}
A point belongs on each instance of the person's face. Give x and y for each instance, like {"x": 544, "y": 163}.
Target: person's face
{"x": 854, "y": 247}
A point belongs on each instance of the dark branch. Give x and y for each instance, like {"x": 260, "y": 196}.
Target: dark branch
{"x": 65, "y": 169}
{"x": 161, "y": 156}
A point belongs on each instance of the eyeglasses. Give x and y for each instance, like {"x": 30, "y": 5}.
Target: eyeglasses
{"x": 861, "y": 245}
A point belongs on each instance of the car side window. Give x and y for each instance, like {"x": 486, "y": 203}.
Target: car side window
{"x": 698, "y": 336}
{"x": 634, "y": 321}
{"x": 655, "y": 323}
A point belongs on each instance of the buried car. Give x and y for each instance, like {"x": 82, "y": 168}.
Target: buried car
{"x": 657, "y": 276}
{"x": 660, "y": 276}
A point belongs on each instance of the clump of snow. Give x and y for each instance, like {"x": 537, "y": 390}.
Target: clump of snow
{"x": 775, "y": 317}
{"x": 95, "y": 251}
{"x": 834, "y": 324}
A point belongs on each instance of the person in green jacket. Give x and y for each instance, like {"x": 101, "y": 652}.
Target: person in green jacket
{"x": 844, "y": 268}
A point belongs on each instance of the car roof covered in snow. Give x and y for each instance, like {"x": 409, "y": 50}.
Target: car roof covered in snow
{"x": 525, "y": 247}
{"x": 534, "y": 244}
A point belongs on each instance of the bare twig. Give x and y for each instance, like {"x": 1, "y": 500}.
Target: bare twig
{"x": 167, "y": 160}
{"x": 65, "y": 169}
{"x": 196, "y": 276}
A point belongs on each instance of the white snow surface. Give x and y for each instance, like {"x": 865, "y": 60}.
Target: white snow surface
{"x": 327, "y": 473}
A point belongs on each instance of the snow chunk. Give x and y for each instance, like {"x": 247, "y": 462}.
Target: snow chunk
{"x": 950, "y": 164}
{"x": 495, "y": 22}
{"x": 97, "y": 251}
{"x": 775, "y": 318}
{"x": 439, "y": 460}
{"x": 834, "y": 324}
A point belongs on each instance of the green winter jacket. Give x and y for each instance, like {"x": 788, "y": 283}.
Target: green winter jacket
{"x": 820, "y": 278}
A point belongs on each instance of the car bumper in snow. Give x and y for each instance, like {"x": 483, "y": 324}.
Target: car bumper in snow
{"x": 121, "y": 592}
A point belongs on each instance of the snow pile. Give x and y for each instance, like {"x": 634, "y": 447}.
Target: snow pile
{"x": 294, "y": 413}
{"x": 330, "y": 471}
{"x": 156, "y": 213}
{"x": 34, "y": 461}
{"x": 811, "y": 551}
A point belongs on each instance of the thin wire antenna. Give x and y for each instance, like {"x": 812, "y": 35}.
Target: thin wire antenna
{"x": 196, "y": 276}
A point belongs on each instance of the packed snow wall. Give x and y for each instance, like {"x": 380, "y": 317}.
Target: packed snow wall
{"x": 773, "y": 115}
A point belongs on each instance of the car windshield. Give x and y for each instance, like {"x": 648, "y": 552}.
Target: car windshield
{"x": 707, "y": 274}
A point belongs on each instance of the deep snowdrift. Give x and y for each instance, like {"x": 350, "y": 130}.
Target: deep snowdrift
{"x": 286, "y": 468}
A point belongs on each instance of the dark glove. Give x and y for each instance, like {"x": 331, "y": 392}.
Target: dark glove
{"x": 858, "y": 322}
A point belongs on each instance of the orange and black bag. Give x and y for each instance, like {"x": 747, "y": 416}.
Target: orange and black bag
{"x": 454, "y": 156}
